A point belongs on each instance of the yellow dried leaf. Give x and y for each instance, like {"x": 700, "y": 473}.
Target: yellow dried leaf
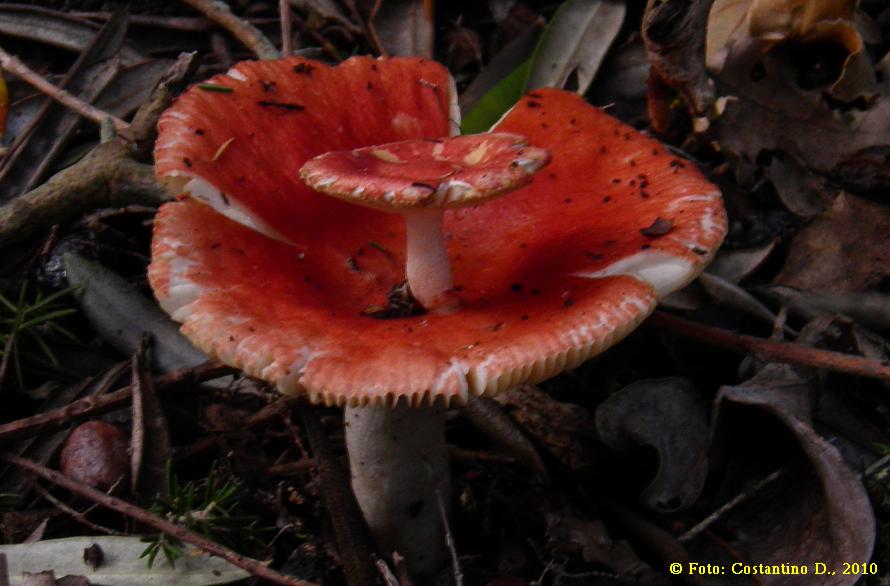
{"x": 796, "y": 19}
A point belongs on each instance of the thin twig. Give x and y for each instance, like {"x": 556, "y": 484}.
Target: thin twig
{"x": 388, "y": 577}
{"x": 740, "y": 498}
{"x": 14, "y": 65}
{"x": 350, "y": 533}
{"x": 357, "y": 17}
{"x": 176, "y": 23}
{"x": 90, "y": 406}
{"x": 291, "y": 468}
{"x": 253, "y": 566}
{"x": 449, "y": 540}
{"x": 249, "y": 35}
{"x": 876, "y": 466}
{"x": 7, "y": 353}
{"x": 489, "y": 418}
{"x": 273, "y": 410}
{"x": 75, "y": 514}
{"x": 769, "y": 350}
{"x": 287, "y": 40}
{"x": 372, "y": 30}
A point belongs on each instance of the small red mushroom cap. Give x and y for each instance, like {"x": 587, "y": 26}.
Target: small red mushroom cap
{"x": 548, "y": 276}
{"x": 436, "y": 173}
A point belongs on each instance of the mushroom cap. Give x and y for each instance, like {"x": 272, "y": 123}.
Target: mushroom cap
{"x": 427, "y": 173}
{"x": 548, "y": 276}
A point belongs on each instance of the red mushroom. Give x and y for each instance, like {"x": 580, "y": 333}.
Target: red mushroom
{"x": 420, "y": 179}
{"x": 543, "y": 278}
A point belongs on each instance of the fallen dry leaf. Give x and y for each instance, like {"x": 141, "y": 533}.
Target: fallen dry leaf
{"x": 736, "y": 265}
{"x": 847, "y": 248}
{"x": 754, "y": 27}
{"x": 405, "y": 27}
{"x": 674, "y": 34}
{"x": 592, "y": 541}
{"x": 560, "y": 428}
{"x": 818, "y": 511}
{"x": 798, "y": 72}
{"x": 669, "y": 415}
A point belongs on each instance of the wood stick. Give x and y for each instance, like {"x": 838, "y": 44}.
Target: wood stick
{"x": 787, "y": 352}
{"x": 242, "y": 30}
{"x": 14, "y": 65}
{"x": 287, "y": 24}
{"x": 90, "y": 406}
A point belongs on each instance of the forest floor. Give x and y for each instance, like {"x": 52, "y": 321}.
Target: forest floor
{"x": 742, "y": 430}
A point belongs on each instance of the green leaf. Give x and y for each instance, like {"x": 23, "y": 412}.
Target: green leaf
{"x": 575, "y": 41}
{"x": 490, "y": 107}
{"x": 121, "y": 565}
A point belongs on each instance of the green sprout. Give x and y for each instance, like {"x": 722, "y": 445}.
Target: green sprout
{"x": 209, "y": 507}
{"x": 31, "y": 320}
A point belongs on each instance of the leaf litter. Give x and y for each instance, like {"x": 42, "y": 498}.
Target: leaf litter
{"x": 653, "y": 453}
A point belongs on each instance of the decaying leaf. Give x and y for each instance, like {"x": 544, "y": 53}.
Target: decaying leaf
{"x": 54, "y": 28}
{"x": 674, "y": 33}
{"x": 487, "y": 416}
{"x": 121, "y": 565}
{"x": 131, "y": 87}
{"x": 30, "y": 161}
{"x": 747, "y": 30}
{"x": 622, "y": 83}
{"x": 846, "y": 248}
{"x": 575, "y": 42}
{"x": 802, "y": 191}
{"x": 818, "y": 511}
{"x": 734, "y": 297}
{"x": 121, "y": 314}
{"x": 798, "y": 72}
{"x": 405, "y": 27}
{"x": 561, "y": 428}
{"x": 869, "y": 308}
{"x": 592, "y": 542}
{"x": 669, "y": 415}
{"x": 736, "y": 265}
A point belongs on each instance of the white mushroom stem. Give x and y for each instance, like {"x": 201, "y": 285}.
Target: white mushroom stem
{"x": 428, "y": 267}
{"x": 398, "y": 459}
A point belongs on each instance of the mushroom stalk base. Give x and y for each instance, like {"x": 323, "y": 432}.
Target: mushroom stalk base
{"x": 428, "y": 268}
{"x": 398, "y": 459}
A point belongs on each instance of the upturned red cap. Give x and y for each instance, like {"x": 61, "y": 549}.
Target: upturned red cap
{"x": 548, "y": 276}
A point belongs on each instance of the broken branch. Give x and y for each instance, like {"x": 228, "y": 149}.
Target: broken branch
{"x": 249, "y": 35}
{"x": 14, "y": 65}
{"x": 95, "y": 405}
{"x": 787, "y": 352}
